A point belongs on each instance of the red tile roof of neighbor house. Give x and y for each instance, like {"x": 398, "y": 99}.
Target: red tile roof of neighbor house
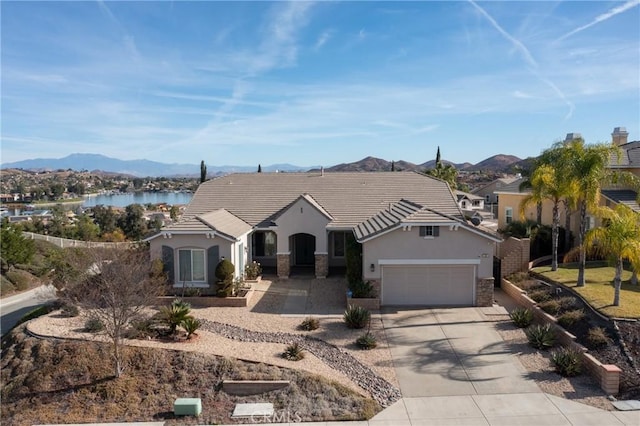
{"x": 348, "y": 198}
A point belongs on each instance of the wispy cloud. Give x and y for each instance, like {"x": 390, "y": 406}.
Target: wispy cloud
{"x": 127, "y": 39}
{"x": 528, "y": 57}
{"x": 603, "y": 17}
{"x": 516, "y": 43}
{"x": 323, "y": 38}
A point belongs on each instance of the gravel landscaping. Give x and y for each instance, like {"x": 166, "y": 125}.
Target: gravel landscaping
{"x": 260, "y": 333}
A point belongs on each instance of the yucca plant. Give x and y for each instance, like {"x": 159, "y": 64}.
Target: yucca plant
{"x": 521, "y": 317}
{"x": 541, "y": 336}
{"x": 293, "y": 352}
{"x": 567, "y": 361}
{"x": 190, "y": 325}
{"x": 356, "y": 316}
{"x": 367, "y": 341}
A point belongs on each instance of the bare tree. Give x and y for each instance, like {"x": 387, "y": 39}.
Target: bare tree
{"x": 116, "y": 286}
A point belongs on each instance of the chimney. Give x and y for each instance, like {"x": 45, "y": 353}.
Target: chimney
{"x": 572, "y": 137}
{"x": 619, "y": 136}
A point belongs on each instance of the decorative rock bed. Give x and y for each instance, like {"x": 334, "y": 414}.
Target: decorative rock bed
{"x": 381, "y": 390}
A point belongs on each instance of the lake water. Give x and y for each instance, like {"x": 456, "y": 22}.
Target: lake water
{"x": 123, "y": 200}
{"x": 118, "y": 200}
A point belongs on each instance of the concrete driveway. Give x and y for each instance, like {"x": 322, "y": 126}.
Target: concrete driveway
{"x": 449, "y": 352}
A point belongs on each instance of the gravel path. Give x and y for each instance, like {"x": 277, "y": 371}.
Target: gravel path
{"x": 381, "y": 390}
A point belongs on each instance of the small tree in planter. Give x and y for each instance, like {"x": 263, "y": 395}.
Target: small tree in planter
{"x": 224, "y": 274}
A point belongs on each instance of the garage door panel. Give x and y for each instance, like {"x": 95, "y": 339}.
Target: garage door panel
{"x": 428, "y": 285}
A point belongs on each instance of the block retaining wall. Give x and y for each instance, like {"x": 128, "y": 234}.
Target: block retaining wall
{"x": 607, "y": 375}
{"x": 212, "y": 301}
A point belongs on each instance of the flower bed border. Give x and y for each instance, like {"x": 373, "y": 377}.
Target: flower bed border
{"x": 368, "y": 303}
{"x": 608, "y": 375}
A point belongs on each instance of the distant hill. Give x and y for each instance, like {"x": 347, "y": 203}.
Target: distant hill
{"x": 92, "y": 162}
{"x": 142, "y": 168}
{"x": 498, "y": 162}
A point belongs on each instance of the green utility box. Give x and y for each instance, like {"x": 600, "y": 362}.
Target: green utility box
{"x": 187, "y": 407}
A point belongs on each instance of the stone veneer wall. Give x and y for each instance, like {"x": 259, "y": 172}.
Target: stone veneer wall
{"x": 484, "y": 292}
{"x": 284, "y": 265}
{"x": 322, "y": 265}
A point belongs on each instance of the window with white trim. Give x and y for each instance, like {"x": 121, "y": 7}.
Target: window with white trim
{"x": 429, "y": 231}
{"x": 508, "y": 214}
{"x": 191, "y": 264}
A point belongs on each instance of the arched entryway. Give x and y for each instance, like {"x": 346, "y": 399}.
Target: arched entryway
{"x": 303, "y": 247}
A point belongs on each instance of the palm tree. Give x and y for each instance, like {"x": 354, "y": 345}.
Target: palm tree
{"x": 619, "y": 240}
{"x": 548, "y": 183}
{"x": 587, "y": 167}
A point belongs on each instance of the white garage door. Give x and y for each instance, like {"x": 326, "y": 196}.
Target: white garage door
{"x": 431, "y": 285}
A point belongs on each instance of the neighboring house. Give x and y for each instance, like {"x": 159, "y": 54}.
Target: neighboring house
{"x": 472, "y": 206}
{"x": 490, "y": 195}
{"x": 510, "y": 196}
{"x": 417, "y": 248}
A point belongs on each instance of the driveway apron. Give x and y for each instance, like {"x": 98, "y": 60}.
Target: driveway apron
{"x": 451, "y": 351}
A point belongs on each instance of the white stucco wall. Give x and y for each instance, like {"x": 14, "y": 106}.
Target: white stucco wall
{"x": 302, "y": 217}
{"x": 399, "y": 244}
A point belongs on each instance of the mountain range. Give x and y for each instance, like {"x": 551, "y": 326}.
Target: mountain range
{"x": 97, "y": 162}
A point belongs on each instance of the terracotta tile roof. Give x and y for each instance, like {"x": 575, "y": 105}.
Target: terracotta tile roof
{"x": 347, "y": 198}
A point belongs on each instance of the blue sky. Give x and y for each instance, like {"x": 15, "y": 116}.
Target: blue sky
{"x": 319, "y": 83}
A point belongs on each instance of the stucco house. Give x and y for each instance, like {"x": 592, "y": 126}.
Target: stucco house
{"x": 417, "y": 248}
{"x": 510, "y": 195}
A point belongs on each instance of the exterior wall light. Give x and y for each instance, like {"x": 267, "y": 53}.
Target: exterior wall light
{"x": 372, "y": 267}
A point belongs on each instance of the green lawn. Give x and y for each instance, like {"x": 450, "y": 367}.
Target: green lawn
{"x": 598, "y": 290}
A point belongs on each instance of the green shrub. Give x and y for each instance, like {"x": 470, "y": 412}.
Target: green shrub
{"x": 362, "y": 289}
{"x": 356, "y": 316}
{"x": 93, "y": 325}
{"x": 551, "y": 306}
{"x": 309, "y": 324}
{"x": 521, "y": 317}
{"x": 225, "y": 270}
{"x": 19, "y": 279}
{"x": 191, "y": 325}
{"x": 540, "y": 295}
{"x": 541, "y": 336}
{"x": 367, "y": 341}
{"x": 597, "y": 337}
{"x": 293, "y": 352}
{"x": 567, "y": 361}
{"x": 567, "y": 319}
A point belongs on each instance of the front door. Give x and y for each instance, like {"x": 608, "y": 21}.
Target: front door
{"x": 304, "y": 249}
